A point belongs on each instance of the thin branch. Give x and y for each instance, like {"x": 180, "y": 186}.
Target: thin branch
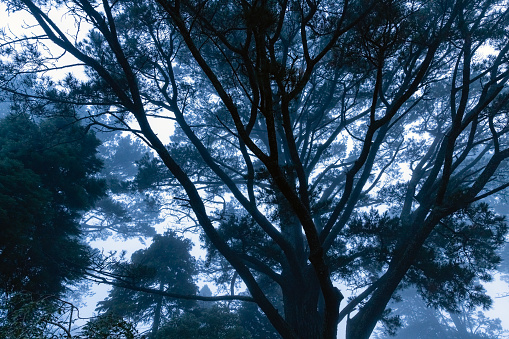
{"x": 98, "y": 279}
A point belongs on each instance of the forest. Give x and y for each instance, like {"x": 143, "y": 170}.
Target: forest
{"x": 341, "y": 166}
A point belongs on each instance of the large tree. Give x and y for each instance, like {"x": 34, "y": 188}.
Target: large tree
{"x": 48, "y": 179}
{"x": 299, "y": 114}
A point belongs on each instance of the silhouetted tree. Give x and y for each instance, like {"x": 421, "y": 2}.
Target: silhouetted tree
{"x": 48, "y": 178}
{"x": 166, "y": 265}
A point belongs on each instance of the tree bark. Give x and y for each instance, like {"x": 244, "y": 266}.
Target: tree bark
{"x": 301, "y": 313}
{"x": 157, "y": 313}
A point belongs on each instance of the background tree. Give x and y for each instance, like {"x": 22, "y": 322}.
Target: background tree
{"x": 130, "y": 208}
{"x": 421, "y": 321}
{"x": 166, "y": 265}
{"x": 302, "y": 114}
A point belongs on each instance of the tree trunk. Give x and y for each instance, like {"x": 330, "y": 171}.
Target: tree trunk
{"x": 157, "y": 313}
{"x": 304, "y": 306}
{"x": 301, "y": 310}
{"x": 300, "y": 298}
{"x": 460, "y": 325}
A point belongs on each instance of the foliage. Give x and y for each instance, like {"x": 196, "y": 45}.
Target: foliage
{"x": 423, "y": 322}
{"x": 47, "y": 180}
{"x": 166, "y": 265}
{"x": 205, "y": 323}
{"x": 472, "y": 235}
{"x": 25, "y": 315}
{"x": 108, "y": 326}
{"x": 461, "y": 252}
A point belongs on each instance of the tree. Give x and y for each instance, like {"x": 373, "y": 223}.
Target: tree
{"x": 47, "y": 180}
{"x": 301, "y": 114}
{"x": 164, "y": 266}
{"x": 461, "y": 252}
{"x": 421, "y": 321}
{"x": 129, "y": 209}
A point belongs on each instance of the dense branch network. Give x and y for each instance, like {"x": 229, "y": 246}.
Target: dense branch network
{"x": 296, "y": 118}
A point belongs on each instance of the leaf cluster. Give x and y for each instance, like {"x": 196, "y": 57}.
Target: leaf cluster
{"x": 48, "y": 180}
{"x": 461, "y": 252}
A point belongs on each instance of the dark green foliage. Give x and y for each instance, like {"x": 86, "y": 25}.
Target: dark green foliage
{"x": 460, "y": 253}
{"x": 165, "y": 265}
{"x": 205, "y": 323}
{"x": 108, "y": 326}
{"x": 47, "y": 181}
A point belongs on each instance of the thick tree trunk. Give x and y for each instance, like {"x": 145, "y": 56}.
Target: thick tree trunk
{"x": 305, "y": 314}
{"x": 300, "y": 298}
{"x": 302, "y": 313}
{"x": 460, "y": 325}
{"x": 363, "y": 323}
{"x": 304, "y": 306}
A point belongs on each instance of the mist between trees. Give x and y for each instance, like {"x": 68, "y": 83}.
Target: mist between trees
{"x": 317, "y": 148}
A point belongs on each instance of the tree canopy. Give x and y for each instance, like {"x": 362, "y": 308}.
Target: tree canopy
{"x": 166, "y": 265}
{"x": 46, "y": 182}
{"x": 48, "y": 179}
{"x": 130, "y": 209}
{"x": 289, "y": 121}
